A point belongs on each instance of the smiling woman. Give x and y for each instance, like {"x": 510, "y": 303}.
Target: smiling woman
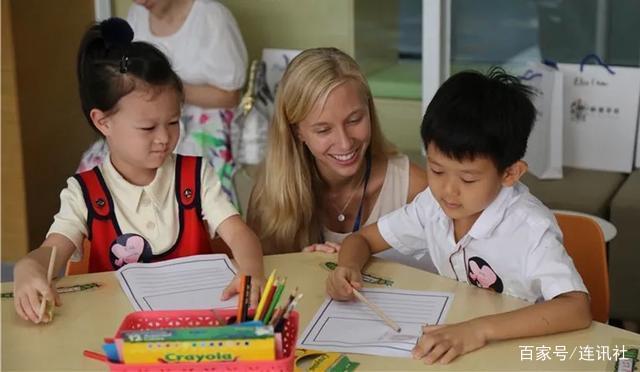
{"x": 328, "y": 169}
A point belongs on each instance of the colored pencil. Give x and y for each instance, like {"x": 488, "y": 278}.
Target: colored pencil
{"x": 388, "y": 321}
{"x": 265, "y": 294}
{"x": 267, "y": 304}
{"x": 275, "y": 300}
{"x": 241, "y": 294}
{"x": 246, "y": 300}
{"x": 287, "y": 313}
{"x": 52, "y": 260}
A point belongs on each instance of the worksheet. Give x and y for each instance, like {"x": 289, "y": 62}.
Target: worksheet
{"x": 352, "y": 327}
{"x": 194, "y": 282}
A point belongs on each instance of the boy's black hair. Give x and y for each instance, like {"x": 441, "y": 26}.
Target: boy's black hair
{"x": 473, "y": 115}
{"x": 109, "y": 65}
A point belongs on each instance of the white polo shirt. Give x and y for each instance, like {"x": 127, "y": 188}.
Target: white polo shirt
{"x": 515, "y": 246}
{"x": 150, "y": 211}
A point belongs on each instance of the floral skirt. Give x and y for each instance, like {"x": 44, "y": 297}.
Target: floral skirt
{"x": 207, "y": 133}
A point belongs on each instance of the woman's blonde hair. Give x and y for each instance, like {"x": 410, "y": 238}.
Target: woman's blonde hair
{"x": 284, "y": 209}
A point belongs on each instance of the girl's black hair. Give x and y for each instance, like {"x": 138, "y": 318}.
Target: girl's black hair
{"x": 480, "y": 115}
{"x": 110, "y": 65}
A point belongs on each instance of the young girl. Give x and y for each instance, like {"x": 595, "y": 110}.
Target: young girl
{"x": 204, "y": 44}
{"x": 143, "y": 204}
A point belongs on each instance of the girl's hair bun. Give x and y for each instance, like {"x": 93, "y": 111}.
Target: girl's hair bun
{"x": 116, "y": 32}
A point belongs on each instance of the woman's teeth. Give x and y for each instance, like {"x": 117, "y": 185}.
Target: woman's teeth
{"x": 344, "y": 157}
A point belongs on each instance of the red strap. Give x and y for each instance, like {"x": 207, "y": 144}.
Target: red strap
{"x": 95, "y": 192}
{"x": 187, "y": 178}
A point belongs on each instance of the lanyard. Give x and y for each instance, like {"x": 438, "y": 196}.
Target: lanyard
{"x": 367, "y": 173}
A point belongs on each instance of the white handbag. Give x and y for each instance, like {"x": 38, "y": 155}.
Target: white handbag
{"x": 600, "y": 115}
{"x": 544, "y": 149}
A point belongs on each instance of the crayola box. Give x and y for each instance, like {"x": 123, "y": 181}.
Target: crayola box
{"x": 227, "y": 332}
{"x": 206, "y": 344}
{"x": 199, "y": 351}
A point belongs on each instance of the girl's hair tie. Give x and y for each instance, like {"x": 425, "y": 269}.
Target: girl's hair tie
{"x": 124, "y": 64}
{"x": 116, "y": 32}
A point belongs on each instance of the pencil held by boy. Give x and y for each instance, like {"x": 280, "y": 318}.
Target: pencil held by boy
{"x": 476, "y": 220}
{"x": 143, "y": 204}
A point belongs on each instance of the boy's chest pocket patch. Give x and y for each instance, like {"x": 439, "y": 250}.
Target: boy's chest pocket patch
{"x": 480, "y": 274}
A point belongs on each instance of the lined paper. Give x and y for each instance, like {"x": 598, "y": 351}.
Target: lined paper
{"x": 194, "y": 282}
{"x": 353, "y": 327}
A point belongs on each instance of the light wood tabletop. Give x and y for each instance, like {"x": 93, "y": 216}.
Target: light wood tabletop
{"x": 86, "y": 317}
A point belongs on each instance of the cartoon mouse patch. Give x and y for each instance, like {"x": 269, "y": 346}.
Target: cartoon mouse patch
{"x": 482, "y": 275}
{"x": 129, "y": 248}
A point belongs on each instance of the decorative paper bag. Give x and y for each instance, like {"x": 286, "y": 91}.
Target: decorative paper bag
{"x": 600, "y": 116}
{"x": 544, "y": 149}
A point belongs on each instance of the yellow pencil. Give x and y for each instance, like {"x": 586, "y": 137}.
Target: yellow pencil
{"x": 43, "y": 304}
{"x": 378, "y": 311}
{"x": 265, "y": 294}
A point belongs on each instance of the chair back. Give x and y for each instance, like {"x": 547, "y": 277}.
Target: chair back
{"x": 584, "y": 242}
{"x": 82, "y": 266}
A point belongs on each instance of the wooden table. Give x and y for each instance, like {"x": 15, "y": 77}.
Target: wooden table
{"x": 87, "y": 317}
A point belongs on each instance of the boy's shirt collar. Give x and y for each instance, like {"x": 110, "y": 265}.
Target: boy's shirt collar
{"x": 490, "y": 218}
{"x": 130, "y": 194}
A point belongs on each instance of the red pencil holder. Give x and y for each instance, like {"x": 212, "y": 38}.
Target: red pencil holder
{"x": 146, "y": 320}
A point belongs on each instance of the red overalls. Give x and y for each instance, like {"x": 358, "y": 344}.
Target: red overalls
{"x": 111, "y": 249}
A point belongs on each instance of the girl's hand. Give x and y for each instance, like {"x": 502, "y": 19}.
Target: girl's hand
{"x": 327, "y": 247}
{"x": 257, "y": 285}
{"x": 341, "y": 281}
{"x": 31, "y": 288}
{"x": 444, "y": 343}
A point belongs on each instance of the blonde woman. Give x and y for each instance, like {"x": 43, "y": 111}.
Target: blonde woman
{"x": 328, "y": 169}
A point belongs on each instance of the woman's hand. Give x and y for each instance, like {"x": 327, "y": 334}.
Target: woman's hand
{"x": 31, "y": 288}
{"x": 327, "y": 247}
{"x": 444, "y": 343}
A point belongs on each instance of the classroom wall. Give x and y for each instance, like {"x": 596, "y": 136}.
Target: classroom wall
{"x": 119, "y": 8}
{"x": 47, "y": 134}
{"x": 375, "y": 26}
{"x": 294, "y": 24}
{"x": 14, "y": 216}
{"x": 400, "y": 120}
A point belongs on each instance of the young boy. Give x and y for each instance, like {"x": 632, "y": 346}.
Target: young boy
{"x": 477, "y": 222}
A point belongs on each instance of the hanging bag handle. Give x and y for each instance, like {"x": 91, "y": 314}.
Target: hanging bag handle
{"x": 595, "y": 56}
{"x": 529, "y": 75}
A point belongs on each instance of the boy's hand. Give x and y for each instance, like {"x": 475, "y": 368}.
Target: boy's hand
{"x": 444, "y": 343}
{"x": 30, "y": 289}
{"x": 257, "y": 285}
{"x": 341, "y": 281}
{"x": 327, "y": 247}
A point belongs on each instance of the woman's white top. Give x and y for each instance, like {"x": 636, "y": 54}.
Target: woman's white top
{"x": 393, "y": 195}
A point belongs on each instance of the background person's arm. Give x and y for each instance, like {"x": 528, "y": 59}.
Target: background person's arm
{"x": 209, "y": 96}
